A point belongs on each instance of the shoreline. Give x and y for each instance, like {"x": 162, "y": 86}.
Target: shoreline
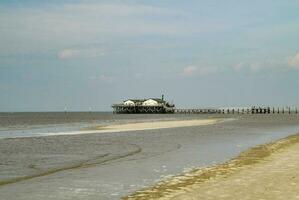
{"x": 203, "y": 183}
{"x": 136, "y": 126}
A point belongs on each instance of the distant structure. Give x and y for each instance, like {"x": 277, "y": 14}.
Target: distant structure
{"x": 260, "y": 110}
{"x": 198, "y": 111}
{"x": 151, "y": 105}
{"x": 156, "y": 105}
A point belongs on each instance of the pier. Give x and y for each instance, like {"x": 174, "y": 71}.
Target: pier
{"x": 244, "y": 110}
{"x": 159, "y": 106}
{"x": 197, "y": 111}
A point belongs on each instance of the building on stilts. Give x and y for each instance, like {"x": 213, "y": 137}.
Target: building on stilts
{"x": 150, "y": 105}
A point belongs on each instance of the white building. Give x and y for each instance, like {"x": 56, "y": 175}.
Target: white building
{"x": 150, "y": 102}
{"x": 129, "y": 103}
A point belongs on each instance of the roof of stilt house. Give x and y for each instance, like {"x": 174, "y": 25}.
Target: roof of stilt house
{"x": 143, "y": 100}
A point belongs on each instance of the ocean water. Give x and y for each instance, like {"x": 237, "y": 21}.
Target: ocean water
{"x": 121, "y": 163}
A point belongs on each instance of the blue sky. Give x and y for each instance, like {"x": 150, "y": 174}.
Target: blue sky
{"x": 90, "y": 54}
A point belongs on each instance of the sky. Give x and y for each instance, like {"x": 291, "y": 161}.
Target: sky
{"x": 86, "y": 55}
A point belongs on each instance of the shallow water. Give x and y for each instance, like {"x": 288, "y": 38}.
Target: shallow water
{"x": 135, "y": 159}
{"x": 29, "y": 124}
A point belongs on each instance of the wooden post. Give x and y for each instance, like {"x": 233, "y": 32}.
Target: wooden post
{"x": 273, "y": 111}
{"x": 283, "y": 110}
{"x": 278, "y": 110}
{"x": 289, "y": 110}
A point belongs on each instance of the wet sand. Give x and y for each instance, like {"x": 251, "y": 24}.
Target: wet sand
{"x": 102, "y": 158}
{"x": 109, "y": 166}
{"x": 99, "y": 158}
{"x": 269, "y": 171}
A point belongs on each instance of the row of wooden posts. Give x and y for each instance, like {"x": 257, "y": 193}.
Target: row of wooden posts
{"x": 259, "y": 110}
{"x": 253, "y": 110}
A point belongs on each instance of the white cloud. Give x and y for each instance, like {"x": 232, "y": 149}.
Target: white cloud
{"x": 239, "y": 66}
{"x": 255, "y": 67}
{"x": 103, "y": 77}
{"x": 106, "y": 78}
{"x": 207, "y": 70}
{"x": 81, "y": 19}
{"x": 80, "y": 53}
{"x": 275, "y": 65}
{"x": 121, "y": 9}
{"x": 66, "y": 53}
{"x": 294, "y": 61}
{"x": 271, "y": 65}
{"x": 196, "y": 70}
{"x": 189, "y": 70}
{"x": 32, "y": 29}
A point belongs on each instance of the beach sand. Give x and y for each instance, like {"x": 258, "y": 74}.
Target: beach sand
{"x": 141, "y": 126}
{"x": 157, "y": 125}
{"x": 269, "y": 171}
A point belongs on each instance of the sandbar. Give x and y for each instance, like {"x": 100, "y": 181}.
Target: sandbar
{"x": 141, "y": 126}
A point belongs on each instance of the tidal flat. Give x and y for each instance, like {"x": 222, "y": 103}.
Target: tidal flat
{"x": 115, "y": 165}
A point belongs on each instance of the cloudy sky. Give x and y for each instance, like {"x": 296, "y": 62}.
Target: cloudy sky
{"x": 90, "y": 54}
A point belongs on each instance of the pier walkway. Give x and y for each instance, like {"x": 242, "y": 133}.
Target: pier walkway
{"x": 245, "y": 110}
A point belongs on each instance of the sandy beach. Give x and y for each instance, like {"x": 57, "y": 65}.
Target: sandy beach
{"x": 156, "y": 125}
{"x": 269, "y": 171}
